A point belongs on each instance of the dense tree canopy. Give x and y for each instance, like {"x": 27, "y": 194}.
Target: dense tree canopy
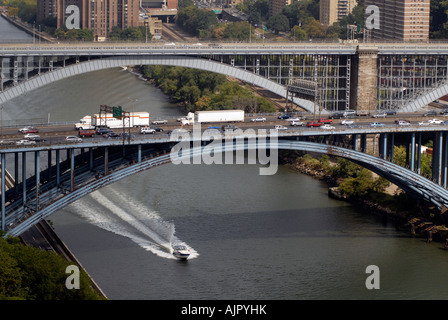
{"x": 202, "y": 90}
{"x": 27, "y": 273}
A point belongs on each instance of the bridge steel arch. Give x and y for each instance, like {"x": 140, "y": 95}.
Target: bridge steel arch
{"x": 170, "y": 60}
{"x": 409, "y": 181}
{"x": 427, "y": 98}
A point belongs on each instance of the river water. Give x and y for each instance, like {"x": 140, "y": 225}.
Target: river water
{"x": 273, "y": 237}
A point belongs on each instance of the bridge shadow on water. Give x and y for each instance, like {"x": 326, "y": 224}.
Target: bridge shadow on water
{"x": 324, "y": 222}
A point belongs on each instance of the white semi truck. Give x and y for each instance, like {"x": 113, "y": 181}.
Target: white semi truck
{"x": 213, "y": 116}
{"x": 136, "y": 119}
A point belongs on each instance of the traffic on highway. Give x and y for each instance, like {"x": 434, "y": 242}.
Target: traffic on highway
{"x": 69, "y": 134}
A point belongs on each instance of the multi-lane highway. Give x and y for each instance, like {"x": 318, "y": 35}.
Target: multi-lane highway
{"x": 56, "y": 134}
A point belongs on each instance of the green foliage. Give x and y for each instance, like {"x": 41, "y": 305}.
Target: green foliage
{"x": 74, "y": 34}
{"x": 28, "y": 273}
{"x": 278, "y": 23}
{"x": 196, "y": 21}
{"x": 425, "y": 159}
{"x": 202, "y": 90}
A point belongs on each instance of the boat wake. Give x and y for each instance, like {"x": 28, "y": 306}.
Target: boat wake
{"x": 115, "y": 213}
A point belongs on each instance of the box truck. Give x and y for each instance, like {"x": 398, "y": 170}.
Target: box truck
{"x": 213, "y": 116}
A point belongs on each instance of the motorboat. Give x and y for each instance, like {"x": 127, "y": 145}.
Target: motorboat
{"x": 181, "y": 252}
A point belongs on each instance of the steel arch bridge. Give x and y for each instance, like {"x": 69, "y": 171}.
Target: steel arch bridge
{"x": 37, "y": 197}
{"x": 402, "y": 77}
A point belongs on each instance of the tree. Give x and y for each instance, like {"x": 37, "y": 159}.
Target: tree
{"x": 297, "y": 33}
{"x": 278, "y": 23}
{"x": 315, "y": 29}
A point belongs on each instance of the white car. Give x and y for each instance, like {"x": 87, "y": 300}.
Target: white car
{"x": 32, "y": 136}
{"x": 72, "y": 139}
{"x": 435, "y": 121}
{"x": 280, "y": 128}
{"x": 258, "y": 119}
{"x": 159, "y": 122}
{"x": 327, "y": 127}
{"x": 296, "y": 123}
{"x": 424, "y": 123}
{"x": 403, "y": 123}
{"x": 146, "y": 130}
{"x": 380, "y": 115}
{"x": 25, "y": 142}
{"x": 293, "y": 119}
{"x": 346, "y": 122}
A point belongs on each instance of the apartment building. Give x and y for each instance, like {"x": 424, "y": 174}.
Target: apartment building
{"x": 276, "y": 6}
{"x": 402, "y": 20}
{"x": 332, "y": 11}
{"x": 99, "y": 15}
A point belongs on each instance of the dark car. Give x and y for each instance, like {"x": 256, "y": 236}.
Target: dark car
{"x": 157, "y": 129}
{"x": 337, "y": 115}
{"x": 430, "y": 113}
{"x": 111, "y": 135}
{"x": 391, "y": 112}
{"x": 228, "y": 127}
{"x": 284, "y": 116}
{"x": 103, "y": 131}
{"x": 444, "y": 112}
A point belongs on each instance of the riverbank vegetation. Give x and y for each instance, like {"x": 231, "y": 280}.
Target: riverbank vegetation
{"x": 351, "y": 181}
{"x": 198, "y": 90}
{"x": 28, "y": 273}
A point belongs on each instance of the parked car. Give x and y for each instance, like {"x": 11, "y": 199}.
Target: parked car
{"x": 25, "y": 142}
{"x": 258, "y": 119}
{"x": 86, "y": 133}
{"x": 346, "y": 122}
{"x": 327, "y": 127}
{"x": 296, "y": 123}
{"x": 284, "y": 116}
{"x": 430, "y": 113}
{"x": 377, "y": 124}
{"x": 73, "y": 139}
{"x": 103, "y": 131}
{"x": 379, "y": 115}
{"x": 145, "y": 130}
{"x": 314, "y": 124}
{"x": 159, "y": 122}
{"x": 28, "y": 130}
{"x": 278, "y": 127}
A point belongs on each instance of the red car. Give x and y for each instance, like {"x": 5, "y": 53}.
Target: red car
{"x": 314, "y": 124}
{"x": 325, "y": 120}
{"x": 28, "y": 130}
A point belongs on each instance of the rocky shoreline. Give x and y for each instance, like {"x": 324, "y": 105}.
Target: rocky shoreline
{"x": 417, "y": 225}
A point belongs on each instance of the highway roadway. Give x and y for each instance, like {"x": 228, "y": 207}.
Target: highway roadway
{"x": 55, "y": 134}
